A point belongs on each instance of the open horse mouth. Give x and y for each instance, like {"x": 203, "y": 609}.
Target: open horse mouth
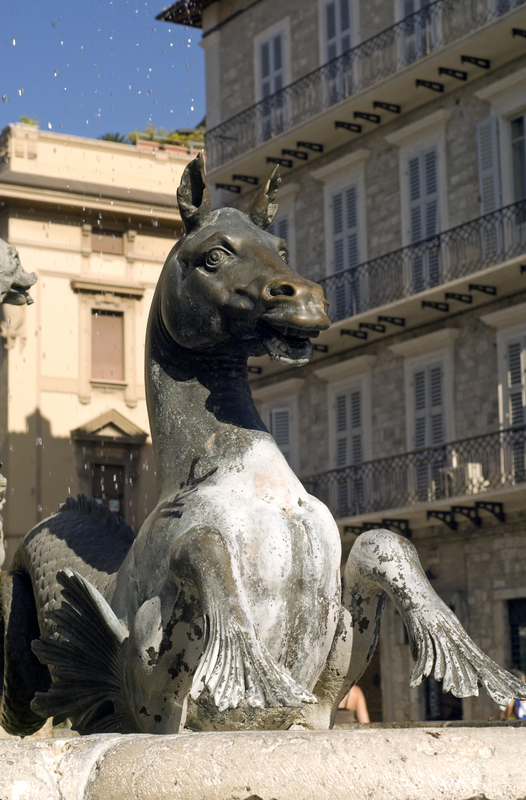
{"x": 285, "y": 344}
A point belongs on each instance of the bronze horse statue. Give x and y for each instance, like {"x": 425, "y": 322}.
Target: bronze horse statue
{"x": 226, "y": 611}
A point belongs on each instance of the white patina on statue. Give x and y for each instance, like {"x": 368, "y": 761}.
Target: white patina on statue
{"x": 226, "y": 611}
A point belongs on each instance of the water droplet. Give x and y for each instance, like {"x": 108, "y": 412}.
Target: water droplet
{"x": 55, "y": 73}
{"x": 39, "y": 441}
{"x": 49, "y": 126}
{"x": 4, "y": 98}
{"x": 20, "y": 92}
{"x": 14, "y": 42}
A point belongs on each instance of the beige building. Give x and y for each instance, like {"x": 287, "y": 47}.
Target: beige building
{"x": 95, "y": 220}
{"x": 400, "y": 128}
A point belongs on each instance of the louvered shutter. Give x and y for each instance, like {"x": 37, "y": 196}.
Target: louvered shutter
{"x": 272, "y": 77}
{"x": 280, "y": 228}
{"x": 272, "y": 65}
{"x": 331, "y": 31}
{"x": 428, "y": 407}
{"x": 488, "y": 158}
{"x": 518, "y": 149}
{"x": 409, "y": 29}
{"x": 346, "y": 250}
{"x": 337, "y": 28}
{"x": 516, "y": 380}
{"x": 423, "y": 195}
{"x": 422, "y": 172}
{"x": 349, "y": 428}
{"x": 281, "y": 429}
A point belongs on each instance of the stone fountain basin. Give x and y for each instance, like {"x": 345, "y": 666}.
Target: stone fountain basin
{"x": 392, "y": 763}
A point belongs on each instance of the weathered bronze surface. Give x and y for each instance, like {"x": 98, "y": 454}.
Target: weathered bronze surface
{"x": 226, "y": 611}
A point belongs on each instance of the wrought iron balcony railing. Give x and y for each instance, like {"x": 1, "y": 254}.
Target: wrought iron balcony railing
{"x": 467, "y": 467}
{"x": 456, "y": 253}
{"x": 437, "y": 24}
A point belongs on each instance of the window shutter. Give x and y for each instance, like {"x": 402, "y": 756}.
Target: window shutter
{"x": 488, "y": 157}
{"x": 353, "y": 255}
{"x": 518, "y": 149}
{"x": 338, "y": 233}
{"x": 271, "y": 53}
{"x": 349, "y": 428}
{"x": 266, "y": 85}
{"x": 337, "y": 28}
{"x": 346, "y": 250}
{"x": 281, "y": 429}
{"x": 280, "y": 228}
{"x": 419, "y": 381}
{"x": 428, "y": 405}
{"x": 107, "y": 345}
{"x": 423, "y": 195}
{"x": 345, "y": 22}
{"x": 436, "y": 410}
{"x": 516, "y": 356}
{"x": 341, "y": 430}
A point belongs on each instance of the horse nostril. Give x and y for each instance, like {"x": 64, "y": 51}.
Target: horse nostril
{"x": 282, "y": 289}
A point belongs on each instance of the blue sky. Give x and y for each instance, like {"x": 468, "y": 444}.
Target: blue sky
{"x": 87, "y": 68}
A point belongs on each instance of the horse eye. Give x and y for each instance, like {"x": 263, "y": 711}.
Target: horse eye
{"x": 284, "y": 255}
{"x": 214, "y": 258}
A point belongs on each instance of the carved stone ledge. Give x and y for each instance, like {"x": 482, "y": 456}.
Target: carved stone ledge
{"x": 393, "y": 764}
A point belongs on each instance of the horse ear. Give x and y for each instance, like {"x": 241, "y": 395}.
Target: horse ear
{"x": 193, "y": 195}
{"x": 263, "y": 209}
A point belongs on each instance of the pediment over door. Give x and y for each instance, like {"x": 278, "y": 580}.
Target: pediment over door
{"x": 112, "y": 426}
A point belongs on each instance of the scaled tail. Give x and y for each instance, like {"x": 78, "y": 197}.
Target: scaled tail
{"x": 85, "y": 659}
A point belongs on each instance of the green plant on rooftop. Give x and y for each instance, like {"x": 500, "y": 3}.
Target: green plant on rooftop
{"x": 182, "y": 137}
{"x": 29, "y": 120}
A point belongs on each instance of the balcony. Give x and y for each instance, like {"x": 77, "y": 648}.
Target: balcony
{"x": 452, "y": 255}
{"x": 474, "y": 469}
{"x": 466, "y": 266}
{"x": 406, "y": 48}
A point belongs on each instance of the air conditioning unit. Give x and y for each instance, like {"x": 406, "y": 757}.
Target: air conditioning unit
{"x": 463, "y": 479}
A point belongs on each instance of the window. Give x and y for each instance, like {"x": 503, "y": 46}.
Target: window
{"x": 419, "y": 29}
{"x": 428, "y": 409}
{"x": 107, "y": 345}
{"x": 107, "y": 486}
{"x": 338, "y": 42}
{"x": 280, "y": 227}
{"x": 422, "y": 176}
{"x": 349, "y": 446}
{"x": 107, "y": 242}
{"x": 428, "y": 406}
{"x": 517, "y": 618}
{"x": 489, "y": 173}
{"x": 280, "y": 427}
{"x": 346, "y": 251}
{"x": 271, "y": 59}
{"x": 515, "y": 403}
{"x": 518, "y": 150}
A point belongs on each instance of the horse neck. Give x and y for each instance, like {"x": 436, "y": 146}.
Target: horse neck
{"x": 200, "y": 407}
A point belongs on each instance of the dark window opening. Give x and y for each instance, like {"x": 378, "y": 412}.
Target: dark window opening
{"x": 107, "y": 486}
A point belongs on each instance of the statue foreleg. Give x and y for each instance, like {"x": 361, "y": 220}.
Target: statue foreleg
{"x": 382, "y": 562}
{"x": 235, "y": 664}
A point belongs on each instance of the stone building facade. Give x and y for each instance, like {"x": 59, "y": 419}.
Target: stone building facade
{"x": 400, "y": 128}
{"x": 95, "y": 220}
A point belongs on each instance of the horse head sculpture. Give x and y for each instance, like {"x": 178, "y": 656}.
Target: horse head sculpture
{"x": 226, "y": 611}
{"x": 227, "y": 283}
